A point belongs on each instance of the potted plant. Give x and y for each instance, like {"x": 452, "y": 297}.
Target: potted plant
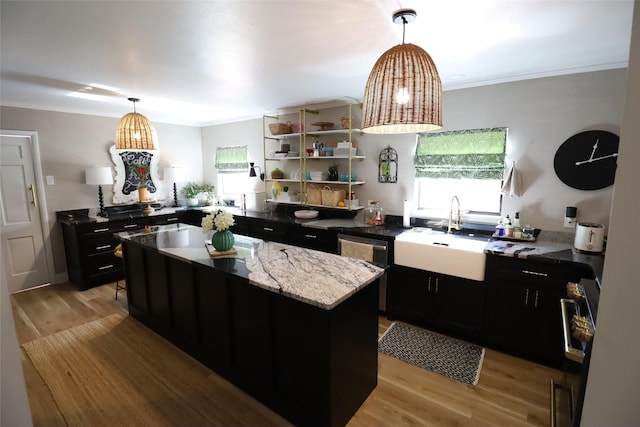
{"x": 277, "y": 174}
{"x": 333, "y": 172}
{"x": 209, "y": 196}
{"x": 219, "y": 221}
{"x": 190, "y": 192}
{"x": 142, "y": 173}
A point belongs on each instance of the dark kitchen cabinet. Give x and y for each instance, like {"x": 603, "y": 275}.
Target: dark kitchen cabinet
{"x": 273, "y": 231}
{"x": 194, "y": 217}
{"x": 440, "y": 302}
{"x": 168, "y": 219}
{"x": 312, "y": 365}
{"x": 523, "y": 306}
{"x": 314, "y": 238}
{"x": 89, "y": 251}
{"x": 89, "y": 247}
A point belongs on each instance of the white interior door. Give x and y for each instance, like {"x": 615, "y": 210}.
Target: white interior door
{"x": 22, "y": 243}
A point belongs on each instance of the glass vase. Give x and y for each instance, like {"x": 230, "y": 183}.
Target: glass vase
{"x": 223, "y": 240}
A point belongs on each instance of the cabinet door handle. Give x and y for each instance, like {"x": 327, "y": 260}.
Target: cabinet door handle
{"x": 535, "y": 273}
{"x": 429, "y": 284}
{"x": 105, "y": 267}
{"x": 130, "y": 225}
{"x": 267, "y": 229}
{"x": 103, "y": 247}
{"x": 536, "y": 301}
{"x": 437, "y": 280}
{"x": 526, "y": 297}
{"x": 310, "y": 236}
{"x": 100, "y": 230}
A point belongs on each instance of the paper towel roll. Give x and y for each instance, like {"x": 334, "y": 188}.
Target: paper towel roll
{"x": 406, "y": 216}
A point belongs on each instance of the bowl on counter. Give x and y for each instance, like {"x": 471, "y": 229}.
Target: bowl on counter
{"x": 306, "y": 214}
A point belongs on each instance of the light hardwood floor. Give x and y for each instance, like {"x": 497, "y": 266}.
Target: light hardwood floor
{"x": 510, "y": 392}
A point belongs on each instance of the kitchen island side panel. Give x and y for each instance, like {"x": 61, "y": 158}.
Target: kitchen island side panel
{"x": 313, "y": 366}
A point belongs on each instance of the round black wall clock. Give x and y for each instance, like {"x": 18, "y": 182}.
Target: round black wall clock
{"x": 588, "y": 160}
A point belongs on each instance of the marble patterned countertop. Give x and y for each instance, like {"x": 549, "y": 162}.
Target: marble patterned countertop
{"x": 317, "y": 278}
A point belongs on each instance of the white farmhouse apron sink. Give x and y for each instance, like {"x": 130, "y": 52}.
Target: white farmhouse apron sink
{"x": 450, "y": 254}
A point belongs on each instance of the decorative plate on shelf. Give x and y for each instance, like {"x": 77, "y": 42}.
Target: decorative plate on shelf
{"x": 323, "y": 125}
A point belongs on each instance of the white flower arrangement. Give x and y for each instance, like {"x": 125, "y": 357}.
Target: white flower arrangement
{"x": 219, "y": 220}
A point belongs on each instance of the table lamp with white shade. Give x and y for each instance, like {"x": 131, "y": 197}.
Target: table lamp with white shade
{"x": 99, "y": 176}
{"x": 172, "y": 175}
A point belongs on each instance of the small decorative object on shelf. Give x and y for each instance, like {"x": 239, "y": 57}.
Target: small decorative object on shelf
{"x": 280, "y": 128}
{"x": 277, "y": 174}
{"x": 333, "y": 172}
{"x": 220, "y": 221}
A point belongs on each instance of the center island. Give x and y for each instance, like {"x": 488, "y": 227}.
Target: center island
{"x": 295, "y": 328}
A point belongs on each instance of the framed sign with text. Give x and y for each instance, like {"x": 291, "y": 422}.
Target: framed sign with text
{"x": 125, "y": 189}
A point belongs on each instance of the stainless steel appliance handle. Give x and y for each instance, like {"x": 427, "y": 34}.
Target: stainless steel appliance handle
{"x": 375, "y": 247}
{"x": 570, "y": 352}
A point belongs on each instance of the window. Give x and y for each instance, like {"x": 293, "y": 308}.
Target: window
{"x": 233, "y": 169}
{"x": 468, "y": 164}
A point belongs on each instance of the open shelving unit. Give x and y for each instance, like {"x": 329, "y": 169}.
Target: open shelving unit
{"x": 298, "y": 179}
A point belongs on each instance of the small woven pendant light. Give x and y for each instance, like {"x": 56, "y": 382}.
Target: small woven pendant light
{"x": 134, "y": 132}
{"x": 404, "y": 92}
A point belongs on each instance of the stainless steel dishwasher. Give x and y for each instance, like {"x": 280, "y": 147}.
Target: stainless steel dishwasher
{"x": 379, "y": 256}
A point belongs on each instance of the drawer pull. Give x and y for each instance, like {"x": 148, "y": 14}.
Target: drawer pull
{"x": 100, "y": 230}
{"x": 311, "y": 236}
{"x": 267, "y": 229}
{"x": 535, "y": 273}
{"x": 171, "y": 219}
{"x": 103, "y": 247}
{"x": 131, "y": 226}
{"x": 105, "y": 267}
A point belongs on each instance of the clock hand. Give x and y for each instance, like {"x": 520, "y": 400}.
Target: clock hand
{"x": 595, "y": 147}
{"x": 597, "y": 158}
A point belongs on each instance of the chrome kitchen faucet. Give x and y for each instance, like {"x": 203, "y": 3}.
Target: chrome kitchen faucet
{"x": 457, "y": 225}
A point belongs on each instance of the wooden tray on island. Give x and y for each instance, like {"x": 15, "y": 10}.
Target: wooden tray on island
{"x": 213, "y": 253}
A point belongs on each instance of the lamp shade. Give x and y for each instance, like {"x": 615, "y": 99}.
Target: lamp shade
{"x": 134, "y": 132}
{"x": 403, "y": 93}
{"x": 98, "y": 176}
{"x": 173, "y": 174}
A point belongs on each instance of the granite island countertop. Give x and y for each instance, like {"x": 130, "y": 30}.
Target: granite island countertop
{"x": 317, "y": 278}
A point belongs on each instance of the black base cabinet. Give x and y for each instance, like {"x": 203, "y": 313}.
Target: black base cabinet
{"x": 313, "y": 366}
{"x": 442, "y": 303}
{"x": 89, "y": 247}
{"x": 523, "y": 313}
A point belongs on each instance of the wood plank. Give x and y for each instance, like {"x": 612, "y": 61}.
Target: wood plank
{"x": 511, "y": 391}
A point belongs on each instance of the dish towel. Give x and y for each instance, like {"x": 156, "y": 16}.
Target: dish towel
{"x": 357, "y": 250}
{"x": 513, "y": 182}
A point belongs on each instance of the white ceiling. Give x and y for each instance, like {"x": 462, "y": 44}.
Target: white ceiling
{"x": 207, "y": 62}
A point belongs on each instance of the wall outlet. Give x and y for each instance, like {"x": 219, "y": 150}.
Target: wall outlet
{"x": 569, "y": 222}
{"x": 51, "y": 180}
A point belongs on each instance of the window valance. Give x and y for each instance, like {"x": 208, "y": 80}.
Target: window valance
{"x": 471, "y": 153}
{"x": 232, "y": 159}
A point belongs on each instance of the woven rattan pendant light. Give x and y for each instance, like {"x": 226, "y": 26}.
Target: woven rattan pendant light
{"x": 404, "y": 92}
{"x": 134, "y": 132}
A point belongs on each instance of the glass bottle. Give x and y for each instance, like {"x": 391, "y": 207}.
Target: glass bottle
{"x": 373, "y": 214}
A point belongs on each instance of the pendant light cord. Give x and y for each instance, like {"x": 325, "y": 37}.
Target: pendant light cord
{"x": 404, "y": 27}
